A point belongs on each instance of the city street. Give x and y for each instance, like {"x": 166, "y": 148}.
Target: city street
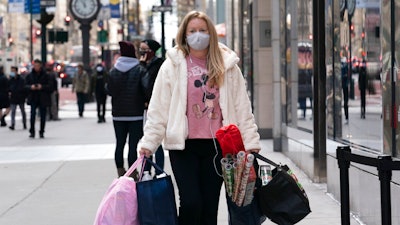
{"x": 60, "y": 180}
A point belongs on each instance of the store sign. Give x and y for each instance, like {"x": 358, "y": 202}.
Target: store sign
{"x": 16, "y": 6}
{"x": 368, "y": 4}
{"x": 47, "y": 3}
{"x": 265, "y": 34}
{"x": 32, "y": 6}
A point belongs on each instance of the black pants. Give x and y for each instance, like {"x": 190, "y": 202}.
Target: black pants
{"x": 345, "y": 97}
{"x": 122, "y": 129}
{"x": 81, "y": 100}
{"x": 198, "y": 183}
{"x": 362, "y": 94}
{"x": 14, "y": 111}
{"x": 159, "y": 155}
{"x": 42, "y": 112}
{"x": 101, "y": 105}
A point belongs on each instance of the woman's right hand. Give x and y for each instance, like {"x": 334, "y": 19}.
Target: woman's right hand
{"x": 146, "y": 152}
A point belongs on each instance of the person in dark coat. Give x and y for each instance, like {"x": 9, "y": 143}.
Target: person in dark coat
{"x": 362, "y": 85}
{"x": 128, "y": 87}
{"x": 345, "y": 88}
{"x": 152, "y": 63}
{"x": 17, "y": 97}
{"x": 4, "y": 97}
{"x": 54, "y": 95}
{"x": 39, "y": 86}
{"x": 99, "y": 80}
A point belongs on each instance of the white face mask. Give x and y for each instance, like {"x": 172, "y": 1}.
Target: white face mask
{"x": 12, "y": 74}
{"x": 198, "y": 40}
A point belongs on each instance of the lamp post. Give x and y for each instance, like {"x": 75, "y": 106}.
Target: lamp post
{"x": 162, "y": 8}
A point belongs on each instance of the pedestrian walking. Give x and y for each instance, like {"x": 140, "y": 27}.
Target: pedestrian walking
{"x": 4, "y": 97}
{"x": 128, "y": 87}
{"x": 99, "y": 80}
{"x": 345, "y": 87}
{"x": 17, "y": 96}
{"x": 152, "y": 63}
{"x": 199, "y": 89}
{"x": 54, "y": 95}
{"x": 81, "y": 86}
{"x": 362, "y": 86}
{"x": 39, "y": 86}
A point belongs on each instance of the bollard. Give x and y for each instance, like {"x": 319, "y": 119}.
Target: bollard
{"x": 344, "y": 166}
{"x": 385, "y": 175}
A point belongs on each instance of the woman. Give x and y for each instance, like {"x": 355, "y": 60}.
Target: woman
{"x": 198, "y": 90}
{"x": 128, "y": 87}
{"x": 152, "y": 63}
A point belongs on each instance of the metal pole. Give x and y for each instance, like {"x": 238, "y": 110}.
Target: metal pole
{"x": 85, "y": 27}
{"x": 163, "y": 31}
{"x": 137, "y": 17}
{"x": 344, "y": 166}
{"x": 128, "y": 36}
{"x": 43, "y": 37}
{"x": 393, "y": 75}
{"x": 319, "y": 93}
{"x": 350, "y": 67}
{"x": 385, "y": 175}
{"x": 31, "y": 36}
{"x": 123, "y": 20}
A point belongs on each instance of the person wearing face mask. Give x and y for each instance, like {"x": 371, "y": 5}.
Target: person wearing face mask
{"x": 152, "y": 63}
{"x": 17, "y": 96}
{"x": 199, "y": 89}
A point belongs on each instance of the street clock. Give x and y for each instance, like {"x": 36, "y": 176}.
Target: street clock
{"x": 85, "y": 10}
{"x": 342, "y": 5}
{"x": 351, "y": 7}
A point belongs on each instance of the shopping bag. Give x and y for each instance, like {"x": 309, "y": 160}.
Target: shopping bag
{"x": 156, "y": 199}
{"x": 282, "y": 199}
{"x": 244, "y": 215}
{"x": 239, "y": 178}
{"x": 119, "y": 204}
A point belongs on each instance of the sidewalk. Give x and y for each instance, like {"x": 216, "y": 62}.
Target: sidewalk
{"x": 61, "y": 179}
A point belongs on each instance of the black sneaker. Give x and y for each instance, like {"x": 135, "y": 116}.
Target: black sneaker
{"x": 32, "y": 135}
{"x": 11, "y": 127}
{"x": 41, "y": 135}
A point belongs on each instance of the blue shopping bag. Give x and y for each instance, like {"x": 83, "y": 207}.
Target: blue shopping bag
{"x": 156, "y": 200}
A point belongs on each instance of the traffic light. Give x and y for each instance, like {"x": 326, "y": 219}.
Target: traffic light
{"x": 38, "y": 33}
{"x": 67, "y": 19}
{"x": 352, "y": 33}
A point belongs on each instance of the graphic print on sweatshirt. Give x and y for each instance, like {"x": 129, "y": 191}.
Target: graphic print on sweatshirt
{"x": 203, "y": 99}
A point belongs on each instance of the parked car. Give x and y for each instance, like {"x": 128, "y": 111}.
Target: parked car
{"x": 67, "y": 74}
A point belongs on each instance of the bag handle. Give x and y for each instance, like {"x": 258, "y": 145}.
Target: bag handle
{"x": 258, "y": 156}
{"x": 134, "y": 166}
{"x": 148, "y": 160}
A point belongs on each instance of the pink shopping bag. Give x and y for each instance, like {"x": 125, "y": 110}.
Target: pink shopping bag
{"x": 119, "y": 204}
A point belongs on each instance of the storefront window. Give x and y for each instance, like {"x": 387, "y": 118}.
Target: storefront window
{"x": 353, "y": 67}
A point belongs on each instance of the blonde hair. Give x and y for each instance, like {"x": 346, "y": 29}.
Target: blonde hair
{"x": 215, "y": 62}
